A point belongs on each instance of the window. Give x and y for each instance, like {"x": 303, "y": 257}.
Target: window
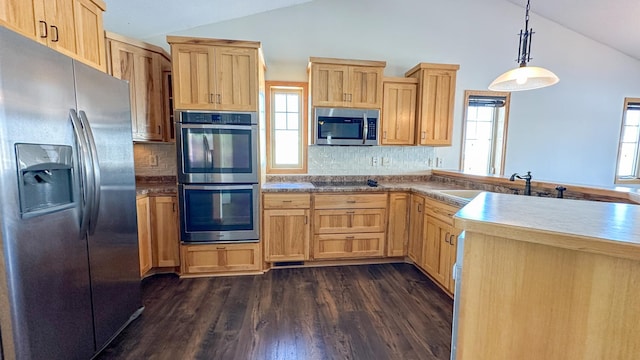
{"x": 286, "y": 127}
{"x": 484, "y": 132}
{"x": 628, "y": 169}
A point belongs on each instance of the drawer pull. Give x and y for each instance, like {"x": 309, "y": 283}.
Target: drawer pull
{"x": 351, "y": 201}
{"x": 287, "y": 201}
{"x": 351, "y": 212}
{"x": 221, "y": 248}
{"x": 350, "y": 237}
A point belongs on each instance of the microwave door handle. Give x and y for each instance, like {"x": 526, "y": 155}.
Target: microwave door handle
{"x": 365, "y": 128}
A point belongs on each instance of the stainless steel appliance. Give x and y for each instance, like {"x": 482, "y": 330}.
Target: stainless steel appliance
{"x": 219, "y": 213}
{"x": 338, "y": 126}
{"x": 218, "y": 176}
{"x": 69, "y": 277}
{"x": 217, "y": 147}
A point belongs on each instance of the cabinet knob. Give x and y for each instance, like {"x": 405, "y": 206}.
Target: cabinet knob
{"x": 384, "y": 134}
{"x": 424, "y": 135}
{"x": 211, "y": 101}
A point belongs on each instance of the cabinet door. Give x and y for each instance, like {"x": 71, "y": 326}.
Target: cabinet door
{"x": 90, "y": 34}
{"x": 193, "y": 77}
{"x": 398, "y": 228}
{"x": 415, "y": 229}
{"x": 144, "y": 234}
{"x": 236, "y": 78}
{"x": 201, "y": 259}
{"x": 60, "y": 16}
{"x": 365, "y": 87}
{"x": 399, "y": 114}
{"x": 436, "y": 115}
{"x": 451, "y": 258}
{"x": 339, "y": 246}
{"x": 165, "y": 237}
{"x": 142, "y": 69}
{"x": 167, "y": 101}
{"x": 435, "y": 253}
{"x": 329, "y": 84}
{"x": 286, "y": 235}
{"x": 25, "y": 17}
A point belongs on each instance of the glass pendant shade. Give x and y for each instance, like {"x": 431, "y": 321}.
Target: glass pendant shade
{"x": 524, "y": 78}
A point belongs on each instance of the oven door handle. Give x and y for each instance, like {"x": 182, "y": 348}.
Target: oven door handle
{"x": 255, "y": 187}
{"x": 208, "y": 152}
{"x": 365, "y": 128}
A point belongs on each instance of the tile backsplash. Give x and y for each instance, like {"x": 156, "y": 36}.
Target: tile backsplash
{"x": 367, "y": 160}
{"x": 155, "y": 159}
{"x": 160, "y": 160}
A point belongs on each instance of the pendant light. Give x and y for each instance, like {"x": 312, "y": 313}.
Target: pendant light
{"x": 524, "y": 77}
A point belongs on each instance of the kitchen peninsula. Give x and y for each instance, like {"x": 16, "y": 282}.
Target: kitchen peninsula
{"x": 548, "y": 279}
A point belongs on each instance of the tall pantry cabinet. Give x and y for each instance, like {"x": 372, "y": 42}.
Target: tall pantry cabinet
{"x": 219, "y": 75}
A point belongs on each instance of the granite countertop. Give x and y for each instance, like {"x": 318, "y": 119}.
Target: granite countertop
{"x": 426, "y": 188}
{"x": 156, "y": 186}
{"x": 598, "y": 227}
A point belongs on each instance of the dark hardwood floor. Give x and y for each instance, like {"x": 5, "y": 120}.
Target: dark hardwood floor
{"x": 388, "y": 311}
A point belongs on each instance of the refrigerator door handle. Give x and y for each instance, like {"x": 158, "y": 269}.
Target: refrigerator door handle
{"x": 83, "y": 154}
{"x": 95, "y": 185}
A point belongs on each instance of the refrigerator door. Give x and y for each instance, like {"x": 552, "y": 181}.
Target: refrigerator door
{"x": 103, "y": 104}
{"x": 44, "y": 275}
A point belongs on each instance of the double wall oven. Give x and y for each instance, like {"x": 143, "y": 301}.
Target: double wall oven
{"x": 218, "y": 176}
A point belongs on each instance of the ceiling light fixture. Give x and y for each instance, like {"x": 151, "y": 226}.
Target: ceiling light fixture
{"x": 524, "y": 77}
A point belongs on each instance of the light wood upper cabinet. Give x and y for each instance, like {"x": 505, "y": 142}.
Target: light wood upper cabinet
{"x": 346, "y": 83}
{"x": 142, "y": 65}
{"x": 399, "y": 111}
{"x": 398, "y": 224}
{"x": 72, "y": 27}
{"x": 212, "y": 74}
{"x": 166, "y": 238}
{"x": 286, "y": 227}
{"x": 144, "y": 234}
{"x": 435, "y": 100}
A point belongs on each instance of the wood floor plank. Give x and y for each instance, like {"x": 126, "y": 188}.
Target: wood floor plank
{"x": 383, "y": 311}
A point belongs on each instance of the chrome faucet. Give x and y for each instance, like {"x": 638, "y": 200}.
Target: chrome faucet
{"x": 526, "y": 178}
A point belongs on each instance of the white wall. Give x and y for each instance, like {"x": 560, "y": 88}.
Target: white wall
{"x": 565, "y": 133}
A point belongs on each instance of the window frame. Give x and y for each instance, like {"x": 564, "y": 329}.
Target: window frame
{"x": 270, "y": 88}
{"x": 617, "y": 178}
{"x": 505, "y": 130}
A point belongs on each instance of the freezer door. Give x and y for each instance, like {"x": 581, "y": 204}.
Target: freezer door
{"x": 103, "y": 103}
{"x": 44, "y": 272}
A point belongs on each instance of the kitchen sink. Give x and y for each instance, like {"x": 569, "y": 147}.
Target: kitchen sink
{"x": 464, "y": 194}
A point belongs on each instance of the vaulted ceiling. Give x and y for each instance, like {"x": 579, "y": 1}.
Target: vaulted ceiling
{"x": 613, "y": 22}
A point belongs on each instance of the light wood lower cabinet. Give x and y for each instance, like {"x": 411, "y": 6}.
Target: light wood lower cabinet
{"x": 144, "y": 234}
{"x": 165, "y": 232}
{"x": 286, "y": 227}
{"x": 439, "y": 242}
{"x": 349, "y": 225}
{"x": 218, "y": 258}
{"x": 415, "y": 231}
{"x": 398, "y": 224}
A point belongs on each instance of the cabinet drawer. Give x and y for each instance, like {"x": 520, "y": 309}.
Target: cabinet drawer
{"x": 349, "y": 221}
{"x": 440, "y": 210}
{"x": 350, "y": 201}
{"x": 286, "y": 201}
{"x": 201, "y": 259}
{"x": 340, "y": 246}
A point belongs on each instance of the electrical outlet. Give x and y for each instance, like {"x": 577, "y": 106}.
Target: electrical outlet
{"x": 438, "y": 162}
{"x": 374, "y": 161}
{"x": 386, "y": 161}
{"x": 430, "y": 162}
{"x": 153, "y": 160}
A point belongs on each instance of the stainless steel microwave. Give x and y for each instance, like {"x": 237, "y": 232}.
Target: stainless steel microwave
{"x": 338, "y": 126}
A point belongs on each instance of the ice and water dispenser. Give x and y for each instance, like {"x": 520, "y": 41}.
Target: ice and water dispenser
{"x": 45, "y": 178}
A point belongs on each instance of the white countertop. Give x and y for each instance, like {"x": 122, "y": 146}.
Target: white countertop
{"x": 600, "y": 227}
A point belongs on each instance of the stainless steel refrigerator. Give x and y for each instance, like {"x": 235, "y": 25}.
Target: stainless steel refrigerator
{"x": 69, "y": 278}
